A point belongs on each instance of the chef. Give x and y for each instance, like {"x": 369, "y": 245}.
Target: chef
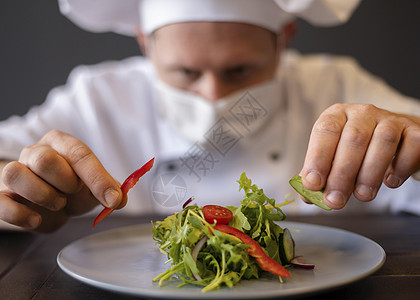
{"x": 216, "y": 94}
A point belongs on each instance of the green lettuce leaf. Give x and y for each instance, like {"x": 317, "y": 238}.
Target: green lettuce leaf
{"x": 223, "y": 259}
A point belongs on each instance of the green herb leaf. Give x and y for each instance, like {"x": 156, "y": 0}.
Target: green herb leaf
{"x": 239, "y": 220}
{"x": 223, "y": 259}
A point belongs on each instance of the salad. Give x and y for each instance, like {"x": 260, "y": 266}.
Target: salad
{"x": 215, "y": 246}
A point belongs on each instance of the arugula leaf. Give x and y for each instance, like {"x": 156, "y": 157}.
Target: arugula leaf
{"x": 222, "y": 259}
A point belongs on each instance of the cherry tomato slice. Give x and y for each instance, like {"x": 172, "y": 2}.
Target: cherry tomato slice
{"x": 217, "y": 213}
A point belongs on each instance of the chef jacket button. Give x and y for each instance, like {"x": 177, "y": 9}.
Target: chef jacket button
{"x": 275, "y": 156}
{"x": 171, "y": 167}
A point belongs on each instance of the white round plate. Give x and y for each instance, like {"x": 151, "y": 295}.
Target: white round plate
{"x": 125, "y": 260}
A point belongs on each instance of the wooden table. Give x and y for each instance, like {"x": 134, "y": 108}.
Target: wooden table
{"x": 28, "y": 268}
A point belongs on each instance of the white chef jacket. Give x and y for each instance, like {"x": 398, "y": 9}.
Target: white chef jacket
{"x": 111, "y": 107}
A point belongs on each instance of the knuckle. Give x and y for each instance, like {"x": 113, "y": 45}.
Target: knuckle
{"x": 11, "y": 173}
{"x": 96, "y": 182}
{"x": 327, "y": 127}
{"x": 27, "y": 152}
{"x": 14, "y": 177}
{"x": 42, "y": 160}
{"x": 53, "y": 134}
{"x": 366, "y": 109}
{"x": 356, "y": 136}
{"x": 336, "y": 107}
{"x": 79, "y": 153}
{"x": 387, "y": 134}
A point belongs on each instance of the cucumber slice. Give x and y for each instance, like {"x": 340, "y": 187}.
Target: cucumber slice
{"x": 287, "y": 252}
{"x": 315, "y": 197}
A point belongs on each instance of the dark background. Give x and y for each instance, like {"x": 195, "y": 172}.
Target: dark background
{"x": 39, "y": 47}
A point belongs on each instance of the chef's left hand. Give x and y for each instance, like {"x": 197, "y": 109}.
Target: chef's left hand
{"x": 353, "y": 148}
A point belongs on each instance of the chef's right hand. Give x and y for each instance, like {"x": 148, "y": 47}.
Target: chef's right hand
{"x": 54, "y": 179}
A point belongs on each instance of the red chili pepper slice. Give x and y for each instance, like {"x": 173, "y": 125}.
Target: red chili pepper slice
{"x": 125, "y": 187}
{"x": 264, "y": 261}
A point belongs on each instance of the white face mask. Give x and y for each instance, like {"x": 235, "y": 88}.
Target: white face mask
{"x": 243, "y": 112}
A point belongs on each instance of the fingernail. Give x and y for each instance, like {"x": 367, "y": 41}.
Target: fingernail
{"x": 365, "y": 191}
{"x": 336, "y": 198}
{"x": 111, "y": 197}
{"x": 393, "y": 181}
{"x": 34, "y": 221}
{"x": 314, "y": 178}
{"x": 59, "y": 203}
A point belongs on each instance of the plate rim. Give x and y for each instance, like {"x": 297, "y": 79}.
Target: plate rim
{"x": 158, "y": 294}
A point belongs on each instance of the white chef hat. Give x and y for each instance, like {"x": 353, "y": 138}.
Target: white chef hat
{"x": 125, "y": 16}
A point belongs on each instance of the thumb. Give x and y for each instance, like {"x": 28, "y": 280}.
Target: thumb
{"x": 87, "y": 167}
